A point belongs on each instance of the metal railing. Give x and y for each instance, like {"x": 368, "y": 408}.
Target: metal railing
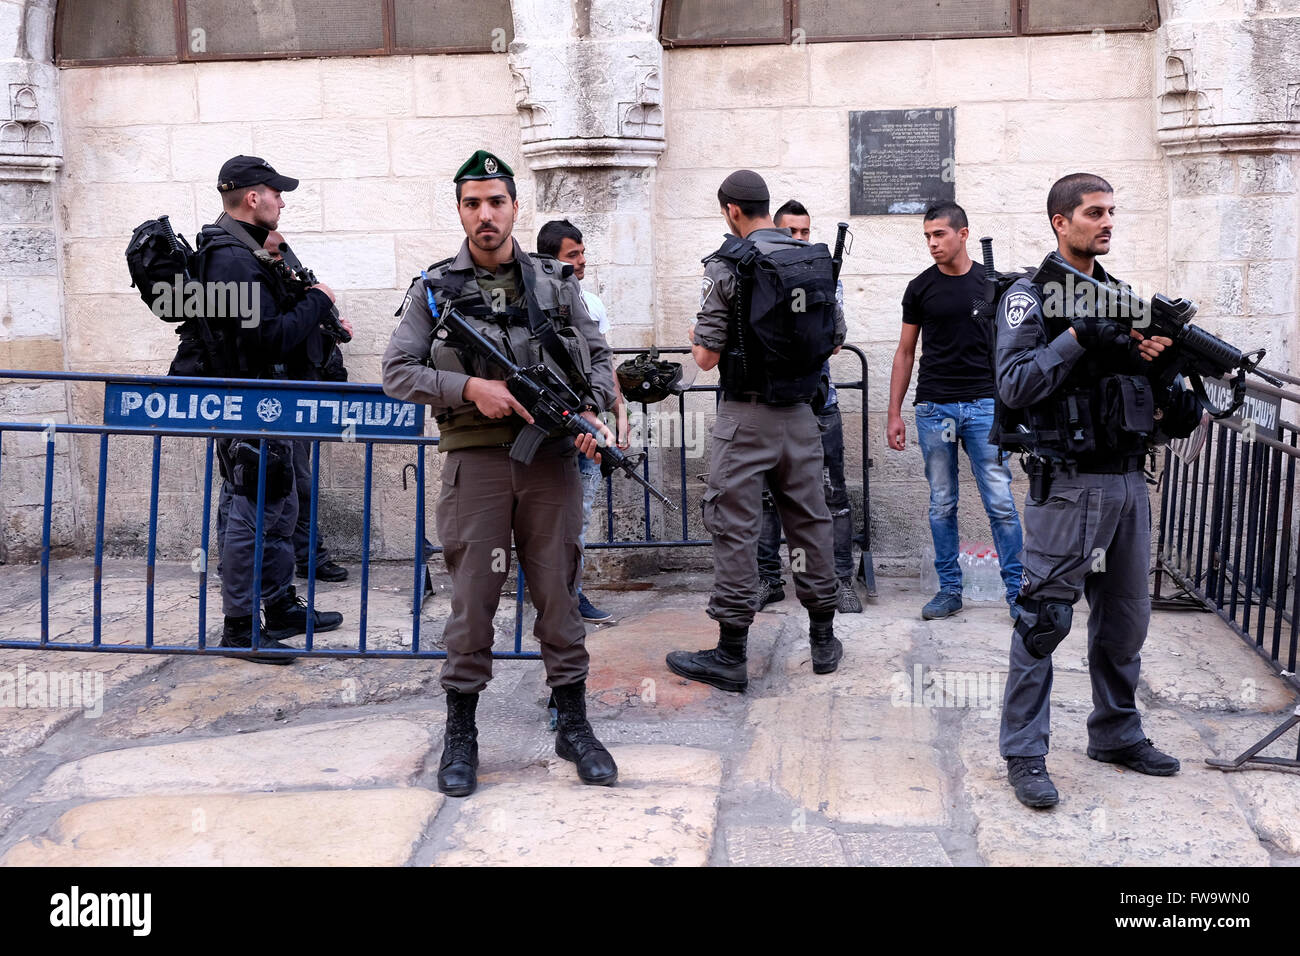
{"x": 336, "y": 394}
{"x": 1229, "y": 535}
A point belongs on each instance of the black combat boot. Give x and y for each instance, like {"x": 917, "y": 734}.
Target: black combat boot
{"x": 724, "y": 667}
{"x": 288, "y": 617}
{"x": 458, "y": 768}
{"x": 576, "y": 741}
{"x": 826, "y": 647}
{"x": 238, "y": 634}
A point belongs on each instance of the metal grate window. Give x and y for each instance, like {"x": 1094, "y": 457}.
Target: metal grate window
{"x": 720, "y": 22}
{"x": 694, "y": 21}
{"x": 283, "y": 26}
{"x": 1070, "y": 16}
{"x": 453, "y": 25}
{"x": 835, "y": 19}
{"x": 116, "y": 29}
{"x": 97, "y": 32}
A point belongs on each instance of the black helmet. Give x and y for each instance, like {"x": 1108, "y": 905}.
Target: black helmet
{"x": 648, "y": 378}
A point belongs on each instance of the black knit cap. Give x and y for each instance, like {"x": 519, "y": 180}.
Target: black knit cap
{"x": 745, "y": 185}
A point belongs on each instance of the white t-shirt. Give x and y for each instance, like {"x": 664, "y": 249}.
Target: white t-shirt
{"x": 597, "y": 310}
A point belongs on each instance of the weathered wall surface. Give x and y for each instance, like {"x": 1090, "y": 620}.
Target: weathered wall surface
{"x": 375, "y": 142}
{"x": 1023, "y": 119}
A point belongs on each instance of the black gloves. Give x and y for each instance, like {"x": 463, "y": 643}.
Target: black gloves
{"x": 1094, "y": 331}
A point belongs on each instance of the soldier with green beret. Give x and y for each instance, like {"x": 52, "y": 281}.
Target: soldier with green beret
{"x": 486, "y": 497}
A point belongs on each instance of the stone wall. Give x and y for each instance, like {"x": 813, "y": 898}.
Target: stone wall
{"x": 1021, "y": 123}
{"x": 375, "y": 142}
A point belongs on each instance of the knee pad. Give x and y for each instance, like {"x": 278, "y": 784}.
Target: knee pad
{"x": 1051, "y": 628}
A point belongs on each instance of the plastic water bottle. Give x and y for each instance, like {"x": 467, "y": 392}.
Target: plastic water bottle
{"x": 979, "y": 576}
{"x": 929, "y": 576}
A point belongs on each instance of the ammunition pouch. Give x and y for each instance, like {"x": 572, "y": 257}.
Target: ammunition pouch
{"x": 240, "y": 465}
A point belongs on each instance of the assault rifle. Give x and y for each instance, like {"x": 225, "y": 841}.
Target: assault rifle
{"x": 1195, "y": 352}
{"x": 299, "y": 279}
{"x": 547, "y": 397}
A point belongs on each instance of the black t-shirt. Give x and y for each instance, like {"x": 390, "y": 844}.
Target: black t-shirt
{"x": 956, "y": 347}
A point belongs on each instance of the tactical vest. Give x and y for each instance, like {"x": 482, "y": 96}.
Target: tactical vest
{"x": 782, "y": 327}
{"x": 1101, "y": 416}
{"x": 509, "y": 329}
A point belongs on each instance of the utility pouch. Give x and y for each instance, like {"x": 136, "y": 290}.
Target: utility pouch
{"x": 1129, "y": 404}
{"x": 279, "y": 469}
{"x": 1076, "y": 423}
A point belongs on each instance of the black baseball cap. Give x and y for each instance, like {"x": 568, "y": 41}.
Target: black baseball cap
{"x": 244, "y": 171}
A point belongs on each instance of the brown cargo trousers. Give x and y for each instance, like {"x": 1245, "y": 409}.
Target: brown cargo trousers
{"x": 485, "y": 496}
{"x": 783, "y": 442}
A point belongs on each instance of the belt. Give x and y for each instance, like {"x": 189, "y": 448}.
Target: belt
{"x": 752, "y": 399}
{"x": 1114, "y": 466}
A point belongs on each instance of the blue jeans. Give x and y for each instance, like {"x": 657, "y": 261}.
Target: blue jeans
{"x": 939, "y": 427}
{"x": 591, "y": 482}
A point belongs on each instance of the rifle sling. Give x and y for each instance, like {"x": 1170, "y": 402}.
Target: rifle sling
{"x": 541, "y": 327}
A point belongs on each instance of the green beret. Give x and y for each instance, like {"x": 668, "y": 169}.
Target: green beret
{"x": 483, "y": 165}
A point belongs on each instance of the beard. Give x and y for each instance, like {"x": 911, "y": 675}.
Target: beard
{"x": 489, "y": 241}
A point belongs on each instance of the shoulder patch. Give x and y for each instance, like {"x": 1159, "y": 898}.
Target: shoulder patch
{"x": 705, "y": 288}
{"x": 1019, "y": 305}
{"x": 406, "y": 302}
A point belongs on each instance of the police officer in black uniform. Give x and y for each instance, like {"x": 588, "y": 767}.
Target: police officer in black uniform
{"x": 1077, "y": 395}
{"x": 282, "y": 334}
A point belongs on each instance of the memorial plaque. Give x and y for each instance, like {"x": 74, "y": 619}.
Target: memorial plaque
{"x": 900, "y": 161}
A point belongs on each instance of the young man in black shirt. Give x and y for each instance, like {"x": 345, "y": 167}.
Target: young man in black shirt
{"x": 954, "y": 401}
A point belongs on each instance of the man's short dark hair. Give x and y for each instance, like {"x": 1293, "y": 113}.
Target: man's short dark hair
{"x": 552, "y": 235}
{"x": 749, "y": 208}
{"x": 953, "y": 213}
{"x": 792, "y": 207}
{"x": 234, "y": 198}
{"x": 510, "y": 187}
{"x": 1067, "y": 193}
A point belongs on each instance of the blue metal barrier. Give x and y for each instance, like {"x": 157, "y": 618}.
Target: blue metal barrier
{"x": 191, "y": 400}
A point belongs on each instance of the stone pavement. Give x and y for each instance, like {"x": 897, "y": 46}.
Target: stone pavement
{"x": 891, "y": 760}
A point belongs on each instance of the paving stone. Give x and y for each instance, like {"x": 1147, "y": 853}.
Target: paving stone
{"x": 852, "y": 759}
{"x": 654, "y": 764}
{"x": 894, "y": 849}
{"x": 628, "y": 673}
{"x": 337, "y": 754}
{"x": 1108, "y": 815}
{"x": 1272, "y": 797}
{"x": 325, "y": 828}
{"x": 1195, "y": 661}
{"x": 92, "y": 673}
{"x": 553, "y": 823}
{"x": 784, "y": 846}
{"x": 201, "y": 693}
{"x": 875, "y": 647}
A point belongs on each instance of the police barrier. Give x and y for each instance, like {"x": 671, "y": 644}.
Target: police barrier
{"x": 205, "y": 409}
{"x": 1229, "y": 534}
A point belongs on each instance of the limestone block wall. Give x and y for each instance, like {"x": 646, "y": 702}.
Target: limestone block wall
{"x": 1024, "y": 117}
{"x": 375, "y": 142}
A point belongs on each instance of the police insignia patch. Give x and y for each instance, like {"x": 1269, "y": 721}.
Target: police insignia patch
{"x": 1018, "y": 306}
{"x": 705, "y": 288}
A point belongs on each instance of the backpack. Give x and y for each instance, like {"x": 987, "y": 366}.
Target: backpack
{"x": 1004, "y": 433}
{"x": 158, "y": 261}
{"x": 784, "y": 323}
